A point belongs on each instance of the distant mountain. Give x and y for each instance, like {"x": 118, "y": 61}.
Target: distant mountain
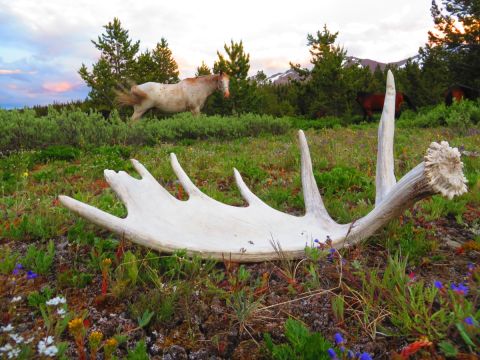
{"x": 289, "y": 75}
{"x": 372, "y": 64}
{"x": 282, "y": 78}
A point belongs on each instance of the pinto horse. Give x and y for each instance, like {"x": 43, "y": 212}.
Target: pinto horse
{"x": 187, "y": 95}
{"x": 459, "y": 92}
{"x": 371, "y": 102}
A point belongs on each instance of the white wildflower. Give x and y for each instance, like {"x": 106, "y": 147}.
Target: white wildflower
{"x": 29, "y": 340}
{"x": 49, "y": 340}
{"x": 51, "y": 350}
{"x": 7, "y": 328}
{"x": 16, "y": 299}
{"x": 17, "y": 338}
{"x": 56, "y": 300}
{"x": 61, "y": 312}
{"x": 6, "y": 348}
{"x": 43, "y": 349}
{"x": 12, "y": 354}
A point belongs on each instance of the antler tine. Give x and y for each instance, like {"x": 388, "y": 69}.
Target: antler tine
{"x": 187, "y": 184}
{"x": 385, "y": 176}
{"x": 313, "y": 200}
{"x": 247, "y": 194}
{"x": 144, "y": 173}
{"x": 152, "y": 182}
{"x": 119, "y": 183}
{"x": 97, "y": 216}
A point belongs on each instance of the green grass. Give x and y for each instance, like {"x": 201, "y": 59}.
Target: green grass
{"x": 174, "y": 287}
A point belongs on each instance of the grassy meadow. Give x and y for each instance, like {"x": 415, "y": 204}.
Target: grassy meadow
{"x": 410, "y": 292}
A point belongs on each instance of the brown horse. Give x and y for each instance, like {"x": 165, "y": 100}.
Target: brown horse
{"x": 459, "y": 92}
{"x": 187, "y": 95}
{"x": 371, "y": 103}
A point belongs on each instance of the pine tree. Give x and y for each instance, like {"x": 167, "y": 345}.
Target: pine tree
{"x": 457, "y": 33}
{"x": 166, "y": 68}
{"x": 203, "y": 70}
{"x": 330, "y": 87}
{"x": 115, "y": 66}
{"x": 145, "y": 68}
{"x": 410, "y": 80}
{"x": 243, "y": 95}
{"x": 260, "y": 77}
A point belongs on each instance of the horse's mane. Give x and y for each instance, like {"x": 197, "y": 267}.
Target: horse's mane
{"x": 202, "y": 77}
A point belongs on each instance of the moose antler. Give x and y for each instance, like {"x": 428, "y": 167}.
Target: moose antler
{"x": 209, "y": 228}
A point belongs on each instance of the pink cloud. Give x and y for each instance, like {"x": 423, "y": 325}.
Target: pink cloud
{"x": 9, "y": 72}
{"x": 58, "y": 87}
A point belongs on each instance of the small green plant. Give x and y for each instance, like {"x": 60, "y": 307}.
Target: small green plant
{"x": 39, "y": 260}
{"x": 301, "y": 344}
{"x": 139, "y": 352}
{"x": 74, "y": 278}
{"x": 157, "y": 306}
{"x": 338, "y": 307}
{"x": 130, "y": 264}
{"x": 57, "y": 152}
{"x": 36, "y": 298}
{"x": 244, "y": 308}
{"x": 409, "y": 240}
{"x": 8, "y": 259}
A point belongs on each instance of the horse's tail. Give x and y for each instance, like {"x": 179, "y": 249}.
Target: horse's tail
{"x": 129, "y": 98}
{"x": 409, "y": 102}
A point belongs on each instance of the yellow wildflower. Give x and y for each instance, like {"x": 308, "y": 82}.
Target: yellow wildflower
{"x": 75, "y": 326}
{"x": 107, "y": 262}
{"x": 95, "y": 338}
{"x": 111, "y": 343}
{"x": 110, "y": 346}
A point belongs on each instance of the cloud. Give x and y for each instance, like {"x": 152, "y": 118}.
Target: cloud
{"x": 44, "y": 44}
{"x": 10, "y": 72}
{"x": 58, "y": 87}
{"x": 14, "y": 71}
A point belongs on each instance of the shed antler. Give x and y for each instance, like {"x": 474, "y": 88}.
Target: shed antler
{"x": 209, "y": 228}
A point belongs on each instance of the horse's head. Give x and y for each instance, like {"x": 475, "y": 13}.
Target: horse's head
{"x": 223, "y": 83}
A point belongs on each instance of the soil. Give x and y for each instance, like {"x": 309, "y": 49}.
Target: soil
{"x": 210, "y": 331}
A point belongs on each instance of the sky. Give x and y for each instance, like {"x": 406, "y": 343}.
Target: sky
{"x": 44, "y": 43}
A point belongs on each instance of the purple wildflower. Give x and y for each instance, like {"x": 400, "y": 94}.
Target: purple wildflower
{"x": 461, "y": 289}
{"x": 316, "y": 241}
{"x": 438, "y": 284}
{"x": 338, "y": 338}
{"x": 350, "y": 354}
{"x": 470, "y": 267}
{"x": 331, "y": 254}
{"x": 31, "y": 275}
{"x": 365, "y": 356}
{"x": 469, "y": 321}
{"x": 17, "y": 269}
{"x": 332, "y": 353}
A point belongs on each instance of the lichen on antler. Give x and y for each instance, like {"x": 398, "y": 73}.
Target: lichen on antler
{"x": 204, "y": 226}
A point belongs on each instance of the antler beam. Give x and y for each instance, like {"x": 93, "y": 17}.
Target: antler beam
{"x": 204, "y": 226}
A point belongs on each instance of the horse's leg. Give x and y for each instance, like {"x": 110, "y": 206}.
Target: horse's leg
{"x": 138, "y": 111}
{"x": 364, "y": 114}
{"x": 370, "y": 115}
{"x": 195, "y": 111}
